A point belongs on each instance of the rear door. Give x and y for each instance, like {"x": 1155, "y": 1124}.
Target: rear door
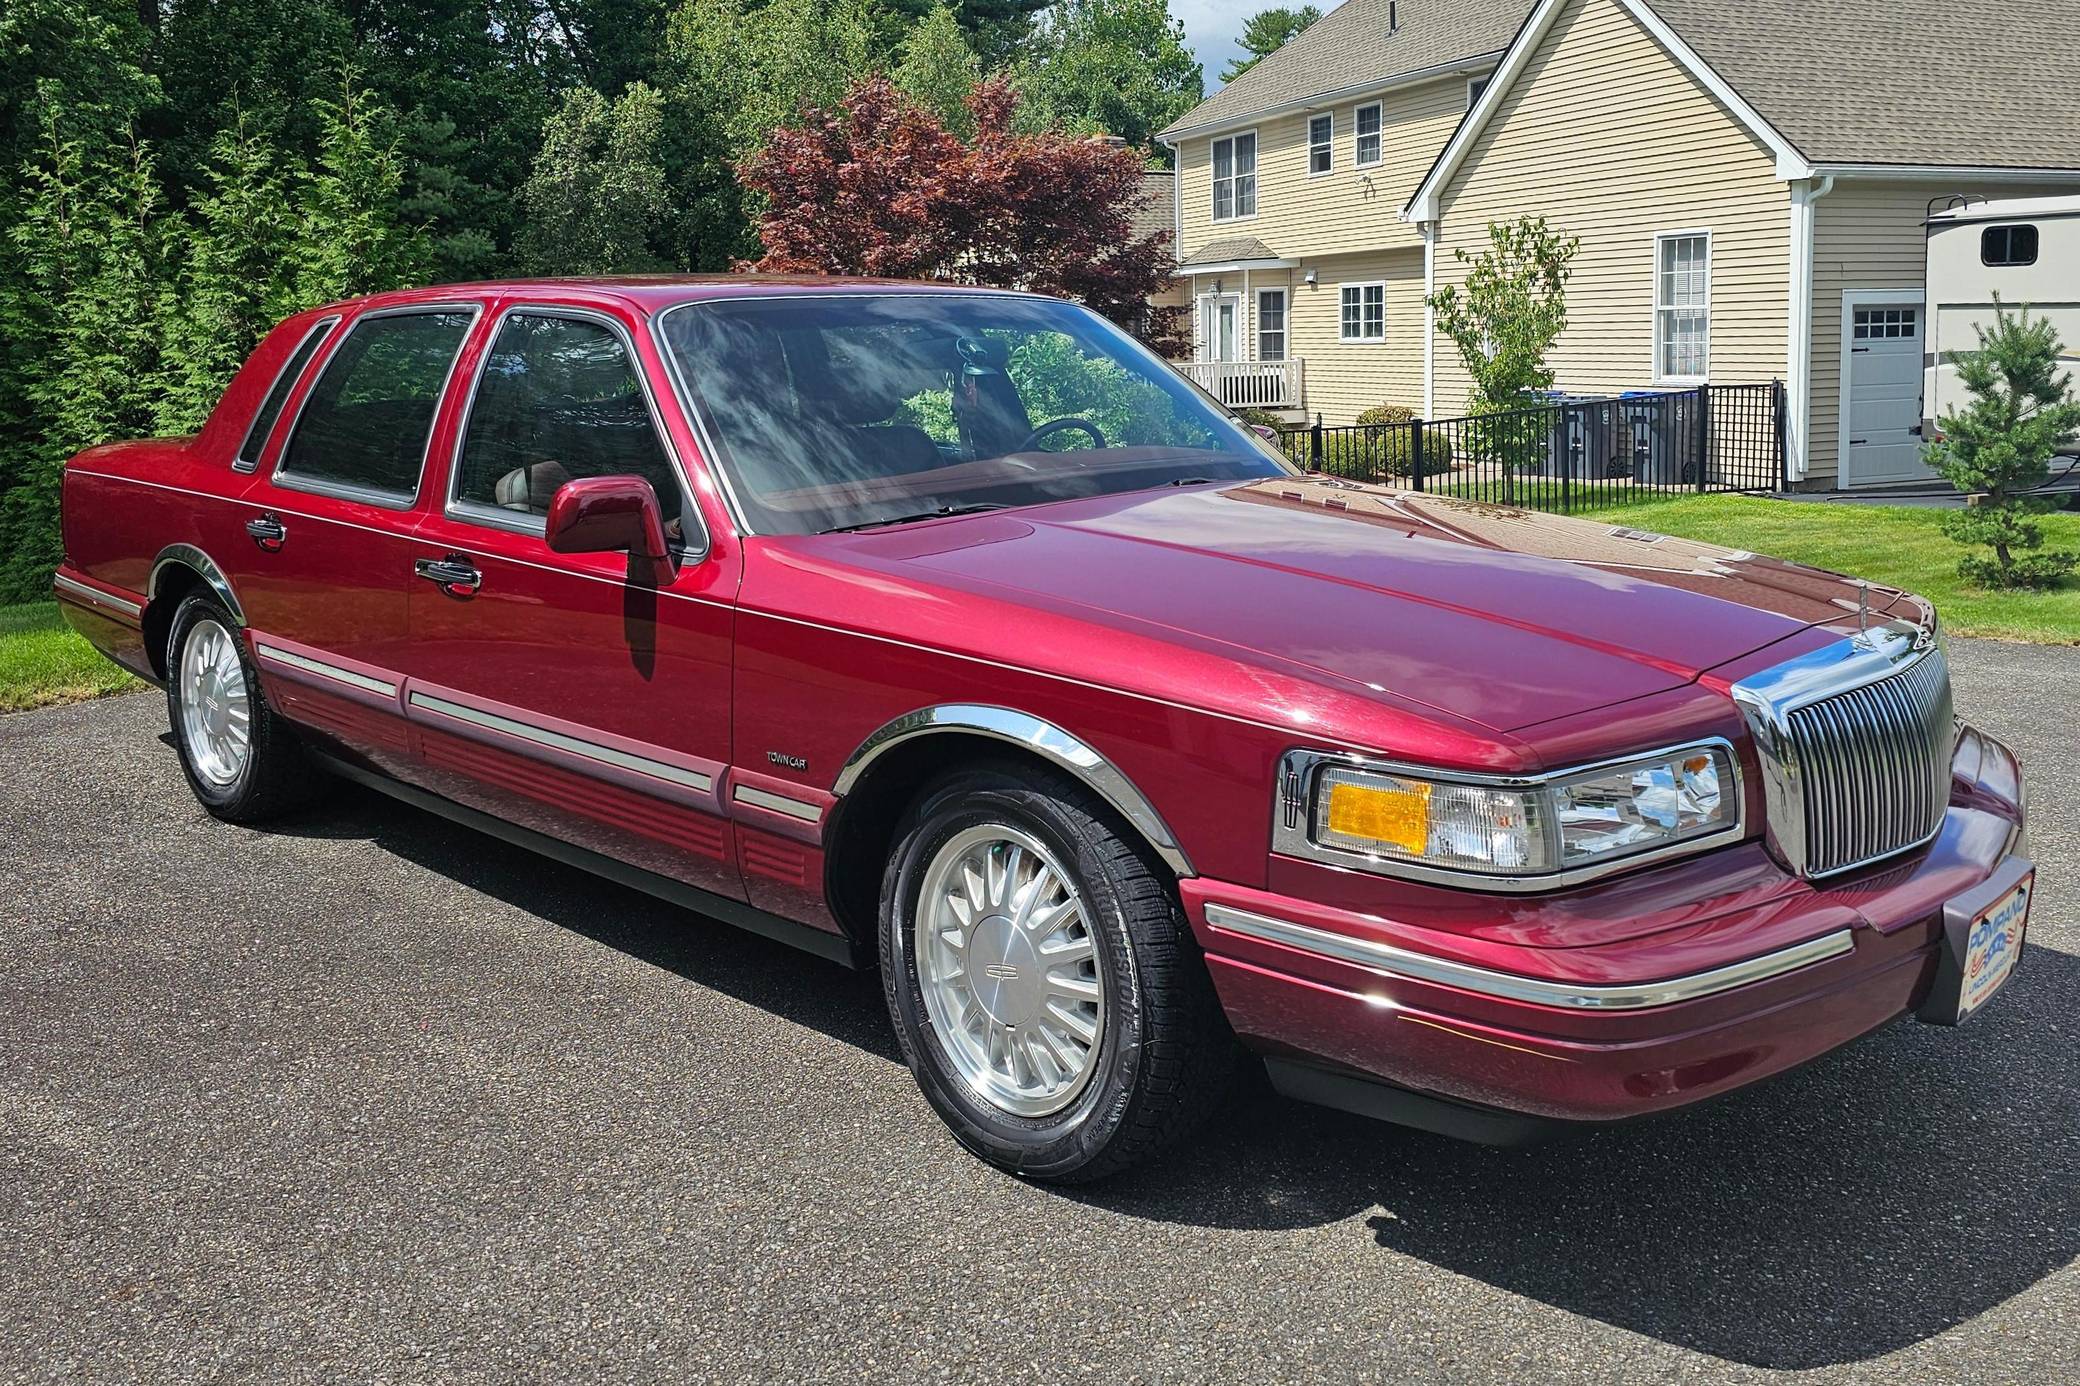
{"x": 322, "y": 562}
{"x": 554, "y": 690}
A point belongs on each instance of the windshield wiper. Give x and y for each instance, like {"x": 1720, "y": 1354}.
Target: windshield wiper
{"x": 976, "y": 508}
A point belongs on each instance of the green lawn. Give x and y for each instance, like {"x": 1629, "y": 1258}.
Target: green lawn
{"x": 42, "y": 662}
{"x": 1891, "y": 544}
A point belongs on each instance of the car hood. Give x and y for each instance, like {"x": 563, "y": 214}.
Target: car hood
{"x": 1500, "y": 616}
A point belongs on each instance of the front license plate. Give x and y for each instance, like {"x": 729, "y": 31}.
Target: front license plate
{"x": 1992, "y": 946}
{"x": 1981, "y": 943}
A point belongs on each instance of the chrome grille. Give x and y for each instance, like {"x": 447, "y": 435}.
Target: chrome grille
{"x": 1854, "y": 741}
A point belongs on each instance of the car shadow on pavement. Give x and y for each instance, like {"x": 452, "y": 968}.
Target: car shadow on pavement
{"x": 1866, "y": 1202}
{"x": 791, "y": 984}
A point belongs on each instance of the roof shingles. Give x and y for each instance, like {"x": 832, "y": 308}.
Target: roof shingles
{"x": 1352, "y": 46}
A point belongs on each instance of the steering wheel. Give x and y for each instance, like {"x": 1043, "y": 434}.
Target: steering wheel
{"x": 1033, "y": 438}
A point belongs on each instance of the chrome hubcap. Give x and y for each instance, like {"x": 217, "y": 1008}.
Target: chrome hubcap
{"x": 216, "y": 711}
{"x": 1010, "y": 971}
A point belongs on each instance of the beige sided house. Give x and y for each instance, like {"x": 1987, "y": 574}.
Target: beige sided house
{"x": 1748, "y": 181}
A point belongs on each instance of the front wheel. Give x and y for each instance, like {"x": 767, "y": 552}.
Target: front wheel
{"x": 1043, "y": 981}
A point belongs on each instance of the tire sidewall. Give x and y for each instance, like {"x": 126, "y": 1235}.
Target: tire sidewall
{"x": 1060, "y": 1143}
{"x": 192, "y": 610}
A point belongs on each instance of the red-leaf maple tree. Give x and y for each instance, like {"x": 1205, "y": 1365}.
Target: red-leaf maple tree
{"x": 880, "y": 187}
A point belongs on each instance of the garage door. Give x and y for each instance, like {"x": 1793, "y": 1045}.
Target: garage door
{"x": 1882, "y": 403}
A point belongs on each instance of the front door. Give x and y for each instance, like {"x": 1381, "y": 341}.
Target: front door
{"x": 1881, "y": 391}
{"x": 567, "y": 692}
{"x": 1220, "y": 328}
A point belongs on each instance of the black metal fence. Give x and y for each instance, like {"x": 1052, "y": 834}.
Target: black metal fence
{"x": 1571, "y": 454}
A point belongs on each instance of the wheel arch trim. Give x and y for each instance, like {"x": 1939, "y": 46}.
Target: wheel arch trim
{"x": 203, "y": 566}
{"x": 1034, "y": 734}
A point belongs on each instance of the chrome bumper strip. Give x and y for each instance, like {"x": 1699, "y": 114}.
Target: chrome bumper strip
{"x": 275, "y": 655}
{"x": 776, "y": 803}
{"x": 95, "y": 595}
{"x": 570, "y": 745}
{"x": 1509, "y": 986}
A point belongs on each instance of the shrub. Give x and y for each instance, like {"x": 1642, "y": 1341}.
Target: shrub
{"x": 1384, "y": 448}
{"x": 1258, "y": 418}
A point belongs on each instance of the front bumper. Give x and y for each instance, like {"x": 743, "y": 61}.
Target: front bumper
{"x": 1478, "y": 1020}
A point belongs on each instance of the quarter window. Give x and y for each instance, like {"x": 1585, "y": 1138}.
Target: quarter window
{"x": 1321, "y": 144}
{"x": 366, "y": 422}
{"x": 1363, "y": 312}
{"x": 1271, "y": 324}
{"x": 2008, "y": 245}
{"x": 271, "y": 407}
{"x": 1474, "y": 87}
{"x": 1368, "y": 127}
{"x": 558, "y": 399}
{"x": 1235, "y": 177}
{"x": 1682, "y": 307}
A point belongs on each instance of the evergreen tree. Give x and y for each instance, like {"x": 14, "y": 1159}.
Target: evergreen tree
{"x": 1267, "y": 31}
{"x": 2000, "y": 446}
{"x": 597, "y": 193}
{"x": 351, "y": 240}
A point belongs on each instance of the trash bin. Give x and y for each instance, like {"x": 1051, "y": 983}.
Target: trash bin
{"x": 1660, "y": 429}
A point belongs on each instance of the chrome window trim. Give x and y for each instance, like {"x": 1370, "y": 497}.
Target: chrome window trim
{"x": 239, "y": 461}
{"x": 1408, "y": 965}
{"x": 776, "y": 803}
{"x": 324, "y": 669}
{"x": 368, "y": 495}
{"x": 572, "y": 745}
{"x": 524, "y": 522}
{"x": 1768, "y": 699}
{"x": 1037, "y": 735}
{"x": 96, "y": 595}
{"x": 1292, "y": 826}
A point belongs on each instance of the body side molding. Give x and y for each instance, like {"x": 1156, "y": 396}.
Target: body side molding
{"x": 188, "y": 556}
{"x": 1034, "y": 734}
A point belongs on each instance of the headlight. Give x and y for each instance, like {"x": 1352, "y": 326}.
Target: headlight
{"x": 1562, "y": 827}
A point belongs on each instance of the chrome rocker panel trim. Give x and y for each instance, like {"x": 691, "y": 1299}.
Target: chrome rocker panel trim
{"x": 1390, "y": 961}
{"x": 556, "y": 741}
{"x": 1041, "y": 737}
{"x": 94, "y": 596}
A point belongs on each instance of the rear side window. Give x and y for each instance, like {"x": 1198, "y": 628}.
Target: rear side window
{"x": 558, "y": 399}
{"x": 2008, "y": 245}
{"x": 365, "y": 424}
{"x": 271, "y": 407}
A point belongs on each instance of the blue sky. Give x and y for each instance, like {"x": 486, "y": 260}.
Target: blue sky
{"x": 1210, "y": 27}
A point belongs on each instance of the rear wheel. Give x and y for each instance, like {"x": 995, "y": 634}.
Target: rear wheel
{"x": 1043, "y": 981}
{"x": 242, "y": 762}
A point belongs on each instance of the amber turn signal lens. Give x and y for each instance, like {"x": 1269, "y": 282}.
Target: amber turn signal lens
{"x": 1397, "y": 814}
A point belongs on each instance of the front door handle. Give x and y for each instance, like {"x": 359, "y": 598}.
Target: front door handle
{"x": 268, "y": 531}
{"x": 455, "y": 574}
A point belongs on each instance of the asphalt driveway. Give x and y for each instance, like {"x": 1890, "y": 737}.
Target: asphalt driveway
{"x": 372, "y": 1097}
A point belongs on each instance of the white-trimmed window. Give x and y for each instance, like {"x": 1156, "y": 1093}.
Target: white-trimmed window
{"x": 1474, "y": 87}
{"x": 1321, "y": 144}
{"x": 1367, "y": 123}
{"x": 1271, "y": 324}
{"x": 1235, "y": 176}
{"x": 1682, "y": 306}
{"x": 1362, "y": 312}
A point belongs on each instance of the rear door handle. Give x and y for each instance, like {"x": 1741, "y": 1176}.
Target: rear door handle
{"x": 268, "y": 531}
{"x": 455, "y": 574}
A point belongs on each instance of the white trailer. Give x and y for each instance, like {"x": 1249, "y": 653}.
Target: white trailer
{"x": 2025, "y": 252}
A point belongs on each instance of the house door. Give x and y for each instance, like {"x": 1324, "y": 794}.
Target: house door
{"x": 1220, "y": 337}
{"x": 1881, "y": 388}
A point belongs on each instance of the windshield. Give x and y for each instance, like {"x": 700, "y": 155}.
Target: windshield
{"x": 832, "y": 411}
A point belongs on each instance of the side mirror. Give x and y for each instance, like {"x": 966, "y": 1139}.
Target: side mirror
{"x": 611, "y": 514}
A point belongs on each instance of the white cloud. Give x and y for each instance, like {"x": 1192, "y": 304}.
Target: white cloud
{"x": 1211, "y": 28}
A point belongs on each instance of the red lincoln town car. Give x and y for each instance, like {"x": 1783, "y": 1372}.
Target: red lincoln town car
{"x": 953, "y": 632}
